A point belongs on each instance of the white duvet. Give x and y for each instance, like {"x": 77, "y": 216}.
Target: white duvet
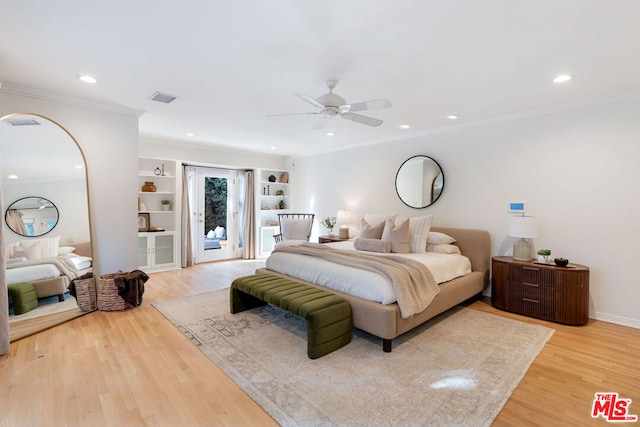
{"x": 17, "y": 273}
{"x": 364, "y": 284}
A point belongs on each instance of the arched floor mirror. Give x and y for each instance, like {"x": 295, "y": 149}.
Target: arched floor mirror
{"x": 46, "y": 228}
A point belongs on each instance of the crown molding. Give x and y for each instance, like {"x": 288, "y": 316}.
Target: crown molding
{"x": 12, "y": 89}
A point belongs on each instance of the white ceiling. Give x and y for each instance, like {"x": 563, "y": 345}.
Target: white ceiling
{"x": 231, "y": 63}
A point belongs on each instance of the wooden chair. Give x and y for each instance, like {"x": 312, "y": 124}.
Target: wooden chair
{"x": 294, "y": 226}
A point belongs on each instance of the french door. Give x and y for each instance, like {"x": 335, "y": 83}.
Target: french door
{"x": 215, "y": 219}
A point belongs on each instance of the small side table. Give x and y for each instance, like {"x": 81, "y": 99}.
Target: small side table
{"x": 329, "y": 239}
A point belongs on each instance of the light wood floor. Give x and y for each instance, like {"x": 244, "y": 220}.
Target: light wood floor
{"x": 133, "y": 368}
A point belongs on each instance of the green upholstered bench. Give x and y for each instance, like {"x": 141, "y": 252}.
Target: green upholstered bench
{"x": 23, "y": 296}
{"x": 328, "y": 316}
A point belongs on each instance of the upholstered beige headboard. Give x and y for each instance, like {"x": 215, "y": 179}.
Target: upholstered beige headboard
{"x": 82, "y": 248}
{"x": 474, "y": 244}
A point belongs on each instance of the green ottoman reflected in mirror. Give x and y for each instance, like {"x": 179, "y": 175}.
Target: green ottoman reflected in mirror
{"x": 23, "y": 296}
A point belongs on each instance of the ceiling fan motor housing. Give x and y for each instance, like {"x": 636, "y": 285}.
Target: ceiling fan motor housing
{"x": 331, "y": 100}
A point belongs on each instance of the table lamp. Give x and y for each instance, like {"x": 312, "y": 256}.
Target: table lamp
{"x": 343, "y": 219}
{"x": 525, "y": 228}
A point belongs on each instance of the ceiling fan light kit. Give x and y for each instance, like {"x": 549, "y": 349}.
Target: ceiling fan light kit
{"x": 331, "y": 104}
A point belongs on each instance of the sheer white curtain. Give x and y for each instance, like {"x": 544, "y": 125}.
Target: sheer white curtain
{"x": 14, "y": 221}
{"x": 186, "y": 248}
{"x": 4, "y": 300}
{"x": 249, "y": 218}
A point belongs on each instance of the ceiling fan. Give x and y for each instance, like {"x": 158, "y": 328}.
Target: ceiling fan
{"x": 331, "y": 105}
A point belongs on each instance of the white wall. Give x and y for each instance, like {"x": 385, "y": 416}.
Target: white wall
{"x": 208, "y": 156}
{"x": 576, "y": 170}
{"x": 109, "y": 140}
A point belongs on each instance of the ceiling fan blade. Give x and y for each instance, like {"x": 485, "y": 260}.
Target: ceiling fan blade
{"x": 367, "y": 105}
{"x": 321, "y": 123}
{"x": 359, "y": 118}
{"x": 310, "y": 100}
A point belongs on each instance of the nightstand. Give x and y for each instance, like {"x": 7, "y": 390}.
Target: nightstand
{"x": 547, "y": 292}
{"x": 329, "y": 239}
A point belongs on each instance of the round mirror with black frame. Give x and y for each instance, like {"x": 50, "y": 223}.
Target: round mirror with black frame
{"x": 32, "y": 216}
{"x": 419, "y": 181}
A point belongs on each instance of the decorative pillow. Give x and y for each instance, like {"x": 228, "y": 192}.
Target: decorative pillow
{"x": 437, "y": 238}
{"x": 419, "y": 227}
{"x": 31, "y": 253}
{"x": 48, "y": 245}
{"x": 16, "y": 260}
{"x": 63, "y": 250}
{"x": 444, "y": 248}
{"x": 368, "y": 231}
{"x": 398, "y": 235}
{"x": 297, "y": 229}
{"x": 372, "y": 245}
{"x": 379, "y": 218}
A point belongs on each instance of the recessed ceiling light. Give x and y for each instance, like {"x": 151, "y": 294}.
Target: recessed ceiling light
{"x": 79, "y": 166}
{"x": 273, "y": 147}
{"x": 330, "y": 133}
{"x": 562, "y": 78}
{"x": 453, "y": 117}
{"x": 190, "y": 134}
{"x": 12, "y": 176}
{"x": 87, "y": 78}
{"x": 405, "y": 126}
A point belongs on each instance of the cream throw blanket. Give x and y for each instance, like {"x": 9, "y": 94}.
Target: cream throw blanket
{"x": 64, "y": 265}
{"x": 412, "y": 281}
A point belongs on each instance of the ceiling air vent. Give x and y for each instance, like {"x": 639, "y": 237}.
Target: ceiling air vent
{"x": 162, "y": 97}
{"x": 22, "y": 122}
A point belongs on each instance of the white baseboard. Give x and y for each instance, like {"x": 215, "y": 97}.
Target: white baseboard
{"x": 618, "y": 320}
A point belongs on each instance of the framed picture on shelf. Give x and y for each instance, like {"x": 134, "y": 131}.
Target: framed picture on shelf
{"x": 143, "y": 221}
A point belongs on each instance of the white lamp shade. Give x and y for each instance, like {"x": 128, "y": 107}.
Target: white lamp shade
{"x": 344, "y": 217}
{"x": 523, "y": 226}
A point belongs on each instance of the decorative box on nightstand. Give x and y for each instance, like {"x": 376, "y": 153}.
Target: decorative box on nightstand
{"x": 548, "y": 292}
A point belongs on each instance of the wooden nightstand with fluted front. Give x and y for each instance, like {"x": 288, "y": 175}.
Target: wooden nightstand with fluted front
{"x": 548, "y": 292}
{"x": 329, "y": 239}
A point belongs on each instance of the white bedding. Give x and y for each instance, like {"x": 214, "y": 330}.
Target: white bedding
{"x": 71, "y": 265}
{"x": 31, "y": 273}
{"x": 364, "y": 284}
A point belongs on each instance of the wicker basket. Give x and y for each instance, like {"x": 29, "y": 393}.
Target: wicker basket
{"x": 85, "y": 293}
{"x": 108, "y": 298}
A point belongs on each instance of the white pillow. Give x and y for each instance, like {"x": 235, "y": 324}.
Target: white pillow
{"x": 30, "y": 253}
{"x": 419, "y": 227}
{"x": 378, "y": 218}
{"x": 398, "y": 235}
{"x": 63, "y": 250}
{"x": 444, "y": 248}
{"x": 297, "y": 229}
{"x": 48, "y": 245}
{"x": 437, "y": 238}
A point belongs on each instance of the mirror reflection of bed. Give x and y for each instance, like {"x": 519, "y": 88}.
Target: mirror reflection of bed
{"x": 43, "y": 166}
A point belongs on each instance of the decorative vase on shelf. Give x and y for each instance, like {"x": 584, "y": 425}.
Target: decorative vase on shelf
{"x": 149, "y": 187}
{"x": 281, "y": 204}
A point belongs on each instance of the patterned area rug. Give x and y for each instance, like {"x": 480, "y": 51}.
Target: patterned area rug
{"x": 458, "y": 369}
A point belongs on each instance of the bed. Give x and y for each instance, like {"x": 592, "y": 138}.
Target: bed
{"x": 383, "y": 318}
{"x": 50, "y": 268}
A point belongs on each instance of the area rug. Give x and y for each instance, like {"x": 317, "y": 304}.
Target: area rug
{"x": 457, "y": 369}
{"x": 46, "y": 306}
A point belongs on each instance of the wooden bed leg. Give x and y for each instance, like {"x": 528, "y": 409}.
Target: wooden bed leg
{"x": 60, "y": 297}
{"x": 386, "y": 345}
